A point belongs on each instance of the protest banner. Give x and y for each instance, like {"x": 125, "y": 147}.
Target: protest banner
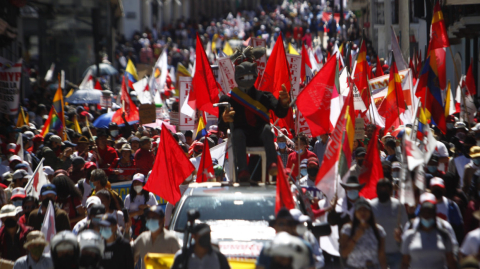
{"x": 262, "y": 62}
{"x": 379, "y": 87}
{"x": 10, "y": 77}
{"x": 227, "y": 73}
{"x": 186, "y": 123}
{"x": 294, "y": 64}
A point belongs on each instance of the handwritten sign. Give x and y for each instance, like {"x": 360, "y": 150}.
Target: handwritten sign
{"x": 359, "y": 128}
{"x": 294, "y": 63}
{"x": 262, "y": 62}
{"x": 147, "y": 113}
{"x": 186, "y": 123}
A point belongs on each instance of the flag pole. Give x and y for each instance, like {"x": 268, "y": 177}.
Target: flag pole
{"x": 396, "y": 94}
{"x": 28, "y": 186}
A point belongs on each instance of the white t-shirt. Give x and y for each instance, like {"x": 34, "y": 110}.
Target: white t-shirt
{"x": 441, "y": 151}
{"x": 471, "y": 242}
{"x": 132, "y": 206}
{"x": 442, "y": 209}
{"x": 86, "y": 191}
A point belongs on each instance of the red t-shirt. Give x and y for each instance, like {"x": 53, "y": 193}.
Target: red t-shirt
{"x": 293, "y": 159}
{"x": 144, "y": 161}
{"x": 108, "y": 155}
{"x": 70, "y": 205}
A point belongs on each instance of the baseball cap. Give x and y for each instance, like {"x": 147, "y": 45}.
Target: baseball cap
{"x": 56, "y": 138}
{"x": 90, "y": 165}
{"x": 19, "y": 174}
{"x": 18, "y": 193}
{"x": 93, "y": 200}
{"x": 96, "y": 210}
{"x": 360, "y": 151}
{"x": 37, "y": 138}
{"x": 427, "y": 199}
{"x": 48, "y": 189}
{"x": 145, "y": 138}
{"x": 157, "y": 210}
{"x": 21, "y": 166}
{"x": 7, "y": 176}
{"x": 108, "y": 220}
{"x": 396, "y": 165}
{"x": 201, "y": 229}
{"x": 29, "y": 135}
{"x": 14, "y": 158}
{"x": 303, "y": 163}
{"x": 436, "y": 181}
{"x": 48, "y": 170}
{"x": 362, "y": 202}
{"x": 135, "y": 138}
{"x": 312, "y": 160}
{"x": 139, "y": 177}
{"x": 8, "y": 211}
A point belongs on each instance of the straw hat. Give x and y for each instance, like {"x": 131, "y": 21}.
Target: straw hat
{"x": 35, "y": 237}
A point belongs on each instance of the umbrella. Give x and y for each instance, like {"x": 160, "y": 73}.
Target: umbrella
{"x": 158, "y": 124}
{"x": 105, "y": 70}
{"x": 85, "y": 96}
{"x": 104, "y": 120}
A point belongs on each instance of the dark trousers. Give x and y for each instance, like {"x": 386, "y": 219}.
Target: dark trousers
{"x": 239, "y": 142}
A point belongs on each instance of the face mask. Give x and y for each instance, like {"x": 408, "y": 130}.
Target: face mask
{"x": 91, "y": 185}
{"x": 114, "y": 133}
{"x": 106, "y": 232}
{"x": 96, "y": 220}
{"x": 205, "y": 241}
{"x": 10, "y": 223}
{"x": 450, "y": 126}
{"x": 427, "y": 223}
{"x": 152, "y": 225}
{"x": 138, "y": 188}
{"x": 312, "y": 172}
{"x": 303, "y": 172}
{"x": 360, "y": 162}
{"x": 383, "y": 196}
{"x": 352, "y": 194}
{"x": 396, "y": 174}
{"x": 17, "y": 203}
{"x": 476, "y": 162}
{"x": 282, "y": 145}
{"x": 431, "y": 168}
{"x": 299, "y": 152}
{"x": 36, "y": 251}
{"x": 301, "y": 229}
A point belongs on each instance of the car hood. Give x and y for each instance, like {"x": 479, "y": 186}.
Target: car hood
{"x": 239, "y": 238}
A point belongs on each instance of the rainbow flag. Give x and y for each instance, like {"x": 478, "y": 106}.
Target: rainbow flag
{"x": 201, "y": 128}
{"x": 131, "y": 73}
{"x": 53, "y": 123}
{"x": 59, "y": 106}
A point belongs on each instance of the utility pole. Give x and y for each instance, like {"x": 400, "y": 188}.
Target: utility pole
{"x": 404, "y": 23}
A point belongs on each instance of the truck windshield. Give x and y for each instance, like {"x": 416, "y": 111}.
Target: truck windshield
{"x": 246, "y": 207}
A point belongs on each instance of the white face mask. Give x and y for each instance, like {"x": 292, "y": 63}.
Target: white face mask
{"x": 114, "y": 133}
{"x": 138, "y": 188}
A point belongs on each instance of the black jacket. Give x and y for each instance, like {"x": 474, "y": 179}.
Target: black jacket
{"x": 118, "y": 255}
{"x": 240, "y": 119}
{"x": 182, "y": 259}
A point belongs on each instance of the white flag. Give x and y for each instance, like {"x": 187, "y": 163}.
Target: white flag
{"x": 143, "y": 92}
{"x": 401, "y": 64}
{"x": 87, "y": 82}
{"x": 161, "y": 71}
{"x": 20, "y": 145}
{"x": 430, "y": 145}
{"x": 413, "y": 153}
{"x": 48, "y": 226}
{"x": 38, "y": 179}
{"x": 49, "y": 74}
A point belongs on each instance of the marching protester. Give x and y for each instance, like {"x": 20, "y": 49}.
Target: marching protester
{"x": 36, "y": 258}
{"x": 118, "y": 252}
{"x": 13, "y": 234}
{"x": 48, "y": 194}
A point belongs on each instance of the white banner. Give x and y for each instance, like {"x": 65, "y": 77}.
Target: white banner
{"x": 379, "y": 87}
{"x": 10, "y": 77}
{"x": 186, "y": 123}
{"x": 294, "y": 63}
{"x": 227, "y": 73}
{"x": 262, "y": 62}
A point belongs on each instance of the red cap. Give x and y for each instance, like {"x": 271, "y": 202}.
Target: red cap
{"x": 37, "y": 138}
{"x": 84, "y": 113}
{"x": 312, "y": 160}
{"x": 90, "y": 165}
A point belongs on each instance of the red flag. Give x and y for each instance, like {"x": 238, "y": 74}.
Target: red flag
{"x": 469, "y": 80}
{"x": 205, "y": 88}
{"x": 276, "y": 72}
{"x": 360, "y": 75}
{"x": 314, "y": 101}
{"x": 170, "y": 169}
{"x": 205, "y": 169}
{"x": 394, "y": 102}
{"x": 379, "y": 69}
{"x": 306, "y": 66}
{"x": 131, "y": 110}
{"x": 372, "y": 170}
{"x": 286, "y": 122}
{"x": 284, "y": 196}
{"x": 414, "y": 71}
{"x": 98, "y": 86}
{"x": 438, "y": 33}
